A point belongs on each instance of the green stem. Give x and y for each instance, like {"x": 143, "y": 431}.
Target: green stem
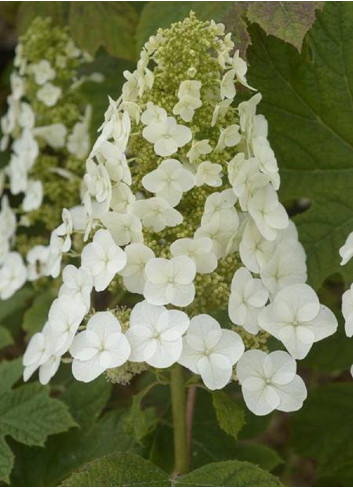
{"x": 190, "y": 407}
{"x": 177, "y": 386}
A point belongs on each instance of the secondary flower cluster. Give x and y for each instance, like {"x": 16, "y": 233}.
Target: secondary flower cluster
{"x": 46, "y": 129}
{"x": 180, "y": 206}
{"x": 346, "y": 252}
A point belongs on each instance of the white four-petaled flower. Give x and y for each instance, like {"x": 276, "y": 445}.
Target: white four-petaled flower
{"x": 167, "y": 136}
{"x": 103, "y": 259}
{"x": 101, "y": 346}
{"x": 209, "y": 174}
{"x": 199, "y": 148}
{"x": 153, "y": 114}
{"x": 170, "y": 281}
{"x": 267, "y": 212}
{"x": 200, "y": 250}
{"x": 78, "y": 284}
{"x": 37, "y": 260}
{"x": 13, "y": 275}
{"x": 186, "y": 107}
{"x": 36, "y": 354}
{"x": 169, "y": 181}
{"x": 42, "y": 71}
{"x": 286, "y": 266}
{"x": 64, "y": 318}
{"x": 34, "y": 195}
{"x": 157, "y": 213}
{"x": 210, "y": 351}
{"x": 125, "y": 228}
{"x": 229, "y": 137}
{"x": 297, "y": 318}
{"x": 190, "y": 88}
{"x": 346, "y": 251}
{"x": 247, "y": 298}
{"x": 65, "y": 229}
{"x": 49, "y": 94}
{"x": 138, "y": 255}
{"x": 227, "y": 85}
{"x": 155, "y": 334}
{"x": 347, "y": 310}
{"x": 269, "y": 381}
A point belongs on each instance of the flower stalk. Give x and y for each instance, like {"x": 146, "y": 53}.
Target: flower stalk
{"x": 178, "y": 395}
{"x": 190, "y": 408}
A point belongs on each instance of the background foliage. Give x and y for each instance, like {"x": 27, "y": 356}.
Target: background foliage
{"x": 99, "y": 434}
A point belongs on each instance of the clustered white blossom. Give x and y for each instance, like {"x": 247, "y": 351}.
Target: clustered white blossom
{"x": 24, "y": 134}
{"x": 138, "y": 229}
{"x": 346, "y": 253}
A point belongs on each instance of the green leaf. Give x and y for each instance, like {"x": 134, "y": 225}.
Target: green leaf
{"x": 323, "y": 430}
{"x": 5, "y": 337}
{"x": 10, "y": 373}
{"x": 122, "y": 469}
{"x": 332, "y": 353}
{"x": 162, "y": 14}
{"x": 27, "y": 414}
{"x": 230, "y": 415}
{"x": 288, "y": 21}
{"x": 87, "y": 401}
{"x": 69, "y": 451}
{"x": 109, "y": 24}
{"x": 160, "y": 452}
{"x": 37, "y": 314}
{"x": 261, "y": 455}
{"x": 229, "y": 474}
{"x": 307, "y": 99}
{"x": 209, "y": 442}
{"x": 17, "y": 302}
{"x": 139, "y": 422}
{"x": 6, "y": 460}
{"x": 28, "y": 11}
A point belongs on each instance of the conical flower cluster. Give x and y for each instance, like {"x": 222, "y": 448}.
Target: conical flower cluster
{"x": 46, "y": 133}
{"x": 180, "y": 208}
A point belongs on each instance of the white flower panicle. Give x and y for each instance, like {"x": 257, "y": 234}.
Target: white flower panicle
{"x": 346, "y": 253}
{"x": 180, "y": 206}
{"x": 39, "y": 96}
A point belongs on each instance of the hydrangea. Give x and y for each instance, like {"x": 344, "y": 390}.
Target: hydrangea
{"x": 247, "y": 299}
{"x": 269, "y": 381}
{"x": 170, "y": 281}
{"x": 101, "y": 346}
{"x": 346, "y": 253}
{"x": 211, "y": 351}
{"x": 155, "y": 334}
{"x": 297, "y": 318}
{"x": 45, "y": 116}
{"x": 103, "y": 259}
{"x": 182, "y": 221}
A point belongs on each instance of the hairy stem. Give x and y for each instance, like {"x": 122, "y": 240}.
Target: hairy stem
{"x": 177, "y": 386}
